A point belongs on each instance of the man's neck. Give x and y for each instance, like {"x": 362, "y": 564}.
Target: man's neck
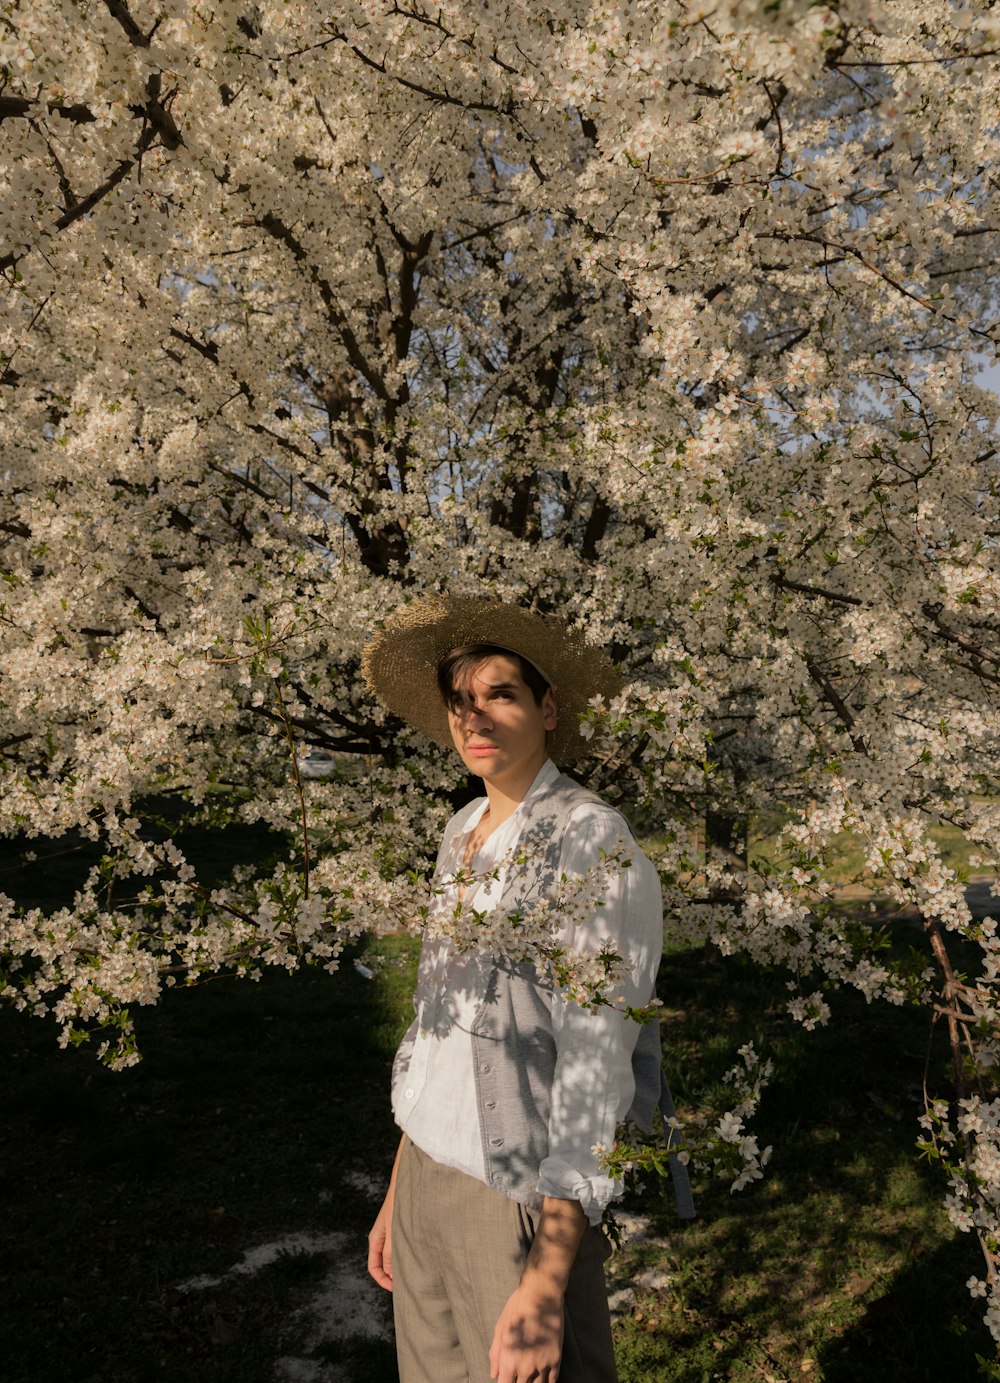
{"x": 506, "y": 796}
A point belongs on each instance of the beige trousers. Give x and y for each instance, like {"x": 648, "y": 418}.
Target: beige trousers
{"x": 458, "y": 1248}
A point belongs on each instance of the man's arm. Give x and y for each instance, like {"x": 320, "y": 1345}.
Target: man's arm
{"x": 527, "y": 1341}
{"x": 593, "y": 1083}
{"x": 380, "y": 1235}
{"x": 592, "y": 1087}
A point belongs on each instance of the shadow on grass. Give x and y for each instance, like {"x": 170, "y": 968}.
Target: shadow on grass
{"x": 257, "y": 1110}
{"x": 904, "y": 1331}
{"x": 42, "y": 873}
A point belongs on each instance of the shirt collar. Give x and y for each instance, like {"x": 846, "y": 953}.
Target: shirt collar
{"x": 544, "y": 778}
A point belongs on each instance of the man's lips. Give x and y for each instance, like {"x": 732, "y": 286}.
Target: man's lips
{"x": 481, "y": 748}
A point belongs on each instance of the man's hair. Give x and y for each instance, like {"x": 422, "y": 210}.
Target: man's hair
{"x": 456, "y": 667}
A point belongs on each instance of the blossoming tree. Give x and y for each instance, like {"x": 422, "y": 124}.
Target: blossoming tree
{"x": 665, "y": 317}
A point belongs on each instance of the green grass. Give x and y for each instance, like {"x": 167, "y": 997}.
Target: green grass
{"x": 846, "y": 866}
{"x": 258, "y": 1108}
{"x": 841, "y": 1259}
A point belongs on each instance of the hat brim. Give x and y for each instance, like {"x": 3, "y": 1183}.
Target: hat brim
{"x": 400, "y": 663}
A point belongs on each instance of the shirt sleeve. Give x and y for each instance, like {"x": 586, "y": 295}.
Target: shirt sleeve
{"x": 593, "y": 1084}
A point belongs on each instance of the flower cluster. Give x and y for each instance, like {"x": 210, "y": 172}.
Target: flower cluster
{"x": 724, "y": 1149}
{"x": 538, "y": 933}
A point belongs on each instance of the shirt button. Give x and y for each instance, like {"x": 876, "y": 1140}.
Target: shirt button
{"x": 408, "y": 1094}
{"x": 496, "y": 1142}
{"x": 491, "y": 1104}
{"x": 486, "y": 1068}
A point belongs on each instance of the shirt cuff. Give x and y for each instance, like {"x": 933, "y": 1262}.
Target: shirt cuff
{"x": 559, "y": 1178}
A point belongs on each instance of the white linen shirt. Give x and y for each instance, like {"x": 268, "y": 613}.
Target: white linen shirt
{"x": 434, "y": 1092}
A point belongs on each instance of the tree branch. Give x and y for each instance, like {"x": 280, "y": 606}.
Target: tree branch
{"x": 837, "y": 703}
{"x": 276, "y": 227}
{"x": 786, "y": 584}
{"x": 19, "y": 107}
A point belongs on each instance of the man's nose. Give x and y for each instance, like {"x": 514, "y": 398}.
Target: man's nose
{"x": 477, "y": 715}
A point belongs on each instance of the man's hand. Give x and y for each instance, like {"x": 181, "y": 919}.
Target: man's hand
{"x": 380, "y": 1234}
{"x": 380, "y": 1243}
{"x": 527, "y": 1341}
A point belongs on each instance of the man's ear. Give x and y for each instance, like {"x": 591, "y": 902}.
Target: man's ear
{"x": 549, "y": 709}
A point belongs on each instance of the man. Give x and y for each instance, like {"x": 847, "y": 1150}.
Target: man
{"x": 489, "y": 1235}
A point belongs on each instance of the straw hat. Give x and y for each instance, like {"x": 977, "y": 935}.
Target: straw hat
{"x": 400, "y": 663}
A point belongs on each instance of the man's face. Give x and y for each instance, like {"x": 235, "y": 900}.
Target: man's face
{"x": 500, "y": 730}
